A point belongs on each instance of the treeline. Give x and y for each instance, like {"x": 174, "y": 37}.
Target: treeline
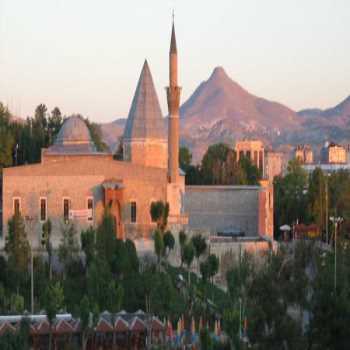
{"x": 307, "y": 199}
{"x": 219, "y": 166}
{"x": 21, "y": 141}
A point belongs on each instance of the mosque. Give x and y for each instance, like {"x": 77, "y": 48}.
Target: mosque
{"x": 75, "y": 183}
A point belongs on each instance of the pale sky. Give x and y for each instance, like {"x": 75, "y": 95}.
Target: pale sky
{"x": 86, "y": 55}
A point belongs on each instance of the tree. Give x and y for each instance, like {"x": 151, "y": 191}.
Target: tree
{"x": 169, "y": 241}
{"x": 159, "y": 213}
{"x": 55, "y": 122}
{"x": 199, "y": 245}
{"x": 212, "y": 163}
{"x": 182, "y": 241}
{"x": 102, "y": 289}
{"x": 86, "y": 322}
{"x": 253, "y": 174}
{"x": 317, "y": 198}
{"x": 69, "y": 248}
{"x": 96, "y": 136}
{"x": 290, "y": 196}
{"x": 185, "y": 158}
{"x": 7, "y": 141}
{"x": 188, "y": 256}
{"x": 158, "y": 245}
{"x": 88, "y": 244}
{"x": 106, "y": 238}
{"x": 17, "y": 246}
{"x": 133, "y": 265}
{"x": 54, "y": 301}
{"x": 47, "y": 227}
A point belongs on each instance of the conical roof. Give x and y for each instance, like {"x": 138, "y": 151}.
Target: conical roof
{"x": 145, "y": 118}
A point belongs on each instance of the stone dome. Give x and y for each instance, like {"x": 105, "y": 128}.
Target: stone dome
{"x": 73, "y": 137}
{"x": 73, "y": 130}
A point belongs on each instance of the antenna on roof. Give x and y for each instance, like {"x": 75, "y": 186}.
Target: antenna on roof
{"x": 173, "y": 16}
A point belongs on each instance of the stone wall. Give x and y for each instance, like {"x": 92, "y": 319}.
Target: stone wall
{"x": 215, "y": 208}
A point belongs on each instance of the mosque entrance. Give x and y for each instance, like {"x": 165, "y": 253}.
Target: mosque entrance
{"x": 113, "y": 198}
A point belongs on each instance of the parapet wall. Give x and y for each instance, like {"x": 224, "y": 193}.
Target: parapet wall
{"x": 216, "y": 208}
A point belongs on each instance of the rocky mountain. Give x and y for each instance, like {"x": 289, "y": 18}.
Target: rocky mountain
{"x": 220, "y": 110}
{"x": 111, "y": 132}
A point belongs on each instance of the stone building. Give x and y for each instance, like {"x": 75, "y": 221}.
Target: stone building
{"x": 304, "y": 154}
{"x": 253, "y": 150}
{"x": 75, "y": 183}
{"x": 274, "y": 163}
{"x": 331, "y": 153}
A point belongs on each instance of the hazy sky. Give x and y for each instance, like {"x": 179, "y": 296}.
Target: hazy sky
{"x": 86, "y": 55}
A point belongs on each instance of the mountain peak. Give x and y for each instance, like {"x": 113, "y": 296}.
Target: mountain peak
{"x": 219, "y": 72}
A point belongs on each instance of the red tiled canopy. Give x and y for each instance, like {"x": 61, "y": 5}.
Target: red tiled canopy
{"x": 63, "y": 327}
{"x": 6, "y": 327}
{"x": 137, "y": 325}
{"x": 104, "y": 327}
{"x": 157, "y": 325}
{"x": 121, "y": 325}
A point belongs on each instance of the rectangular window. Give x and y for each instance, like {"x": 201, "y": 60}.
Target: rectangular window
{"x": 16, "y": 206}
{"x": 133, "y": 211}
{"x": 90, "y": 206}
{"x": 43, "y": 209}
{"x": 66, "y": 207}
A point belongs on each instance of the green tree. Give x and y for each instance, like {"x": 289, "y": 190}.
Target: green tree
{"x": 290, "y": 196}
{"x": 199, "y": 245}
{"x": 55, "y": 122}
{"x": 188, "y": 256}
{"x": 54, "y": 301}
{"x": 88, "y": 244}
{"x": 106, "y": 237}
{"x": 212, "y": 163}
{"x": 252, "y": 173}
{"x": 185, "y": 158}
{"x": 17, "y": 246}
{"x": 68, "y": 250}
{"x": 159, "y": 213}
{"x": 158, "y": 245}
{"x": 317, "y": 198}
{"x": 182, "y": 241}
{"x": 169, "y": 241}
{"x": 46, "y": 235}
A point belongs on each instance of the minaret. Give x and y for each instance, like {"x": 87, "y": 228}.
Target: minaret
{"x": 173, "y": 95}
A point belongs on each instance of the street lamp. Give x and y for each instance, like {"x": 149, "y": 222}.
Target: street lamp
{"x": 336, "y": 221}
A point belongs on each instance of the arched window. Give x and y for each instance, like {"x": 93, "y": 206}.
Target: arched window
{"x": 133, "y": 212}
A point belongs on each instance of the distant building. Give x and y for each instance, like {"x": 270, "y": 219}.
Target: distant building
{"x": 304, "y": 154}
{"x": 274, "y": 164}
{"x": 332, "y": 153}
{"x": 253, "y": 150}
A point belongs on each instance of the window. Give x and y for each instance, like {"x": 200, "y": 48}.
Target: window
{"x": 90, "y": 206}
{"x": 152, "y": 203}
{"x": 133, "y": 211}
{"x": 43, "y": 209}
{"x": 66, "y": 207}
{"x": 16, "y": 206}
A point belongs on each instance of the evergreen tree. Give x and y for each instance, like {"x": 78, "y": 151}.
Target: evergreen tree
{"x": 17, "y": 245}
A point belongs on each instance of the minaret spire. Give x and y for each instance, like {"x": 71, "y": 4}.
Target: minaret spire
{"x": 173, "y": 95}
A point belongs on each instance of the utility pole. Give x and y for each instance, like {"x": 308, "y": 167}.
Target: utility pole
{"x": 31, "y": 280}
{"x": 336, "y": 221}
{"x": 327, "y": 209}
